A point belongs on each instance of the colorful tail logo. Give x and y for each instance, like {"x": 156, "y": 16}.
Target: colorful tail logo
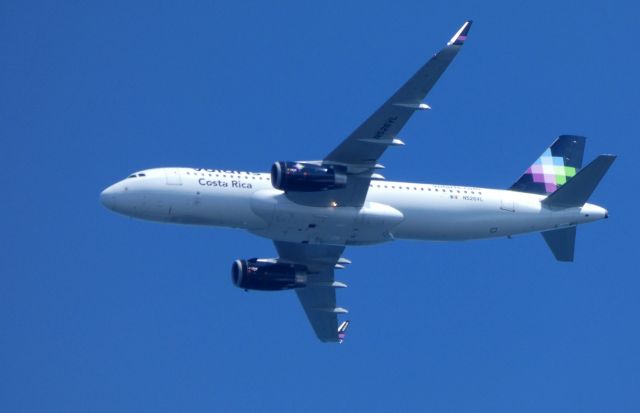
{"x": 551, "y": 171}
{"x": 559, "y": 163}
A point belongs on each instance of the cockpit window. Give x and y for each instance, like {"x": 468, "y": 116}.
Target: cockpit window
{"x": 141, "y": 175}
{"x": 131, "y": 176}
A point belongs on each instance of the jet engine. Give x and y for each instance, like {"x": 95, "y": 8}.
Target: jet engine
{"x": 307, "y": 177}
{"x": 267, "y": 275}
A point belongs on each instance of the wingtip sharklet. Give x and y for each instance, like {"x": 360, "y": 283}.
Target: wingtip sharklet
{"x": 342, "y": 330}
{"x": 461, "y": 35}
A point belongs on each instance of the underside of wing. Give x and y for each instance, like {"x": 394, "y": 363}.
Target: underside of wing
{"x": 360, "y": 151}
{"x": 368, "y": 142}
{"x": 319, "y": 304}
{"x": 318, "y": 297}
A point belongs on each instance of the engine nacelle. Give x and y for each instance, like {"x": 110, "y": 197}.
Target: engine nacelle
{"x": 307, "y": 177}
{"x": 253, "y": 274}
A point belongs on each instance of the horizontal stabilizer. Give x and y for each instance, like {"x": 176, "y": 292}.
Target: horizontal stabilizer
{"x": 562, "y": 243}
{"x": 577, "y": 191}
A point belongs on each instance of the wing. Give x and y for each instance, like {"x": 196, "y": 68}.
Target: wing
{"x": 318, "y": 298}
{"x": 362, "y": 149}
{"x": 368, "y": 142}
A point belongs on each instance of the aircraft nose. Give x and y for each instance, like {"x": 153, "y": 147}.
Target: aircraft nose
{"x": 108, "y": 197}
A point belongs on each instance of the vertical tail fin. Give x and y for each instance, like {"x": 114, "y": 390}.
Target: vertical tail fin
{"x": 342, "y": 330}
{"x": 558, "y": 164}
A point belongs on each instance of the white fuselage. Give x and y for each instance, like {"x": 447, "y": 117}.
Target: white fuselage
{"x": 392, "y": 210}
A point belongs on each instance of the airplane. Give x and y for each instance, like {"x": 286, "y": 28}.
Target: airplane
{"x": 313, "y": 210}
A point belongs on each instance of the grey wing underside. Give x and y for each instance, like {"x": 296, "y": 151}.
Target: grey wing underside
{"x": 361, "y": 150}
{"x": 318, "y": 298}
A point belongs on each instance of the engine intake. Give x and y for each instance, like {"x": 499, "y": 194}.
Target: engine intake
{"x": 307, "y": 177}
{"x": 253, "y": 274}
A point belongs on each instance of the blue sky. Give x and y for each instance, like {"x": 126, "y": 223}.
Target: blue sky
{"x": 103, "y": 313}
